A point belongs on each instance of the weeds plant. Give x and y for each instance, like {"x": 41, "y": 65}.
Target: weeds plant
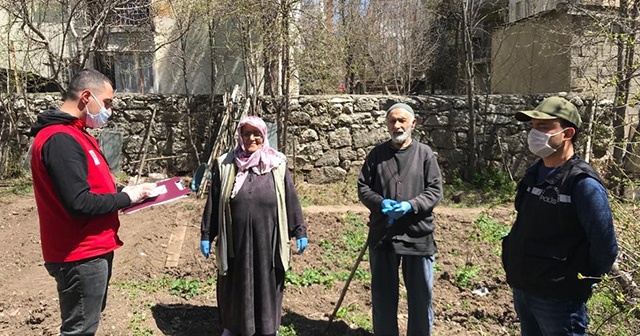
{"x": 21, "y": 185}
{"x": 287, "y": 330}
{"x": 185, "y": 288}
{"x": 327, "y": 194}
{"x": 310, "y": 277}
{"x": 352, "y": 314}
{"x": 135, "y": 324}
{"x": 491, "y": 230}
{"x": 464, "y": 275}
{"x": 489, "y": 186}
{"x": 614, "y": 307}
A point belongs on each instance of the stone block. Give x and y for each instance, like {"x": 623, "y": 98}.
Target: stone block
{"x": 330, "y": 158}
{"x": 443, "y": 139}
{"x": 327, "y": 175}
{"x": 340, "y": 138}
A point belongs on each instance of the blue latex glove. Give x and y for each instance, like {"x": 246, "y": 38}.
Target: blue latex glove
{"x": 387, "y": 205}
{"x": 400, "y": 210}
{"x": 205, "y": 248}
{"x": 302, "y": 243}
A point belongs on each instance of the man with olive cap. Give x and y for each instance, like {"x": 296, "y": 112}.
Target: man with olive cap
{"x": 400, "y": 183}
{"x": 563, "y": 239}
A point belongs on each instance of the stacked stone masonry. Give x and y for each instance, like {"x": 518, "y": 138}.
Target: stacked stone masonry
{"x": 329, "y": 136}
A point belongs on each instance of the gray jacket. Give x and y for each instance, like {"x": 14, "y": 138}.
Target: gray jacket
{"x": 420, "y": 183}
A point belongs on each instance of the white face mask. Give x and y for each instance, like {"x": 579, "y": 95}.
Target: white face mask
{"x": 539, "y": 142}
{"x": 97, "y": 120}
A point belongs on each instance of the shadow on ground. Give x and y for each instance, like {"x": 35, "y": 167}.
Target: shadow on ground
{"x": 308, "y": 327}
{"x": 187, "y": 320}
{"x": 190, "y": 320}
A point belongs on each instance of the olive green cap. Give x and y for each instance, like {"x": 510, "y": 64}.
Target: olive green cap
{"x": 553, "y": 108}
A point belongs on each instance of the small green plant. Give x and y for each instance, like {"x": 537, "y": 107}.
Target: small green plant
{"x": 185, "y": 288}
{"x": 135, "y": 324}
{"x": 309, "y": 277}
{"x": 326, "y": 245}
{"x": 352, "y": 314}
{"x": 359, "y": 275}
{"x": 287, "y": 330}
{"x": 465, "y": 275}
{"x": 356, "y": 233}
{"x": 491, "y": 230}
{"x": 134, "y": 288}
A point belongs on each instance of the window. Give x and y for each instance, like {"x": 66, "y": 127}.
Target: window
{"x": 134, "y": 72}
{"x": 529, "y": 8}
{"x": 131, "y": 13}
{"x": 47, "y": 12}
{"x": 519, "y": 13}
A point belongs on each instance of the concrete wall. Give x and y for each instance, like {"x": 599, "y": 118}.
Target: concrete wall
{"x": 528, "y": 57}
{"x": 520, "y": 9}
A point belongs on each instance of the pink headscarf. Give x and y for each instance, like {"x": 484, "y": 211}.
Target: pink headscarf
{"x": 261, "y": 161}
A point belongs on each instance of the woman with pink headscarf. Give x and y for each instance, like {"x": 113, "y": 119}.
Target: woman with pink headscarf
{"x": 253, "y": 210}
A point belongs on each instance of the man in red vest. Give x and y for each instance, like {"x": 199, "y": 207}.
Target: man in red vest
{"x": 78, "y": 201}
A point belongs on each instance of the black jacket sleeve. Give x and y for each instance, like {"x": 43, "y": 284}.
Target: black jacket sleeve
{"x": 432, "y": 193}
{"x": 369, "y": 197}
{"x": 209, "y": 223}
{"x": 297, "y": 228}
{"x": 66, "y": 163}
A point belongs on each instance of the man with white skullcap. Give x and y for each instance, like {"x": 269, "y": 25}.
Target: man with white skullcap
{"x": 400, "y": 183}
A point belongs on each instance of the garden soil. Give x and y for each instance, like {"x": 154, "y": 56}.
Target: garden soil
{"x": 162, "y": 249}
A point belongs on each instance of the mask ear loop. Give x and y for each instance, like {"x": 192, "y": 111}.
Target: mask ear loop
{"x": 562, "y": 143}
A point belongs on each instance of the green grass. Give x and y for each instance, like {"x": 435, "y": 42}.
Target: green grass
{"x": 310, "y": 277}
{"x": 20, "y": 186}
{"x": 340, "y": 254}
{"x": 180, "y": 287}
{"x": 491, "y": 230}
{"x": 185, "y": 288}
{"x": 136, "y": 321}
{"x": 465, "y": 275}
{"x": 328, "y": 194}
{"x": 489, "y": 186}
{"x": 353, "y": 315}
{"x": 287, "y": 330}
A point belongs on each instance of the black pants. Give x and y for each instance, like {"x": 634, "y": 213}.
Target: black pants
{"x": 82, "y": 290}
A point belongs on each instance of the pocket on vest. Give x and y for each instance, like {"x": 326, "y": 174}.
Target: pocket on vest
{"x": 543, "y": 270}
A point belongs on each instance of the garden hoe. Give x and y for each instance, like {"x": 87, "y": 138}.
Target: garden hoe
{"x": 346, "y": 284}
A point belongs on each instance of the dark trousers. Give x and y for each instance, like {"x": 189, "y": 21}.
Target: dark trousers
{"x": 82, "y": 291}
{"x": 417, "y": 272}
{"x": 540, "y": 316}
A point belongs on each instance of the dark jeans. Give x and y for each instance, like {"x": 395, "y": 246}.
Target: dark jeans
{"x": 541, "y": 316}
{"x": 82, "y": 290}
{"x": 417, "y": 272}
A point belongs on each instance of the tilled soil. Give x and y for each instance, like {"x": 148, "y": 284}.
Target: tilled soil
{"x": 148, "y": 298}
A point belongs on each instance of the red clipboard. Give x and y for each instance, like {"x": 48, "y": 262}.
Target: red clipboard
{"x": 167, "y": 191}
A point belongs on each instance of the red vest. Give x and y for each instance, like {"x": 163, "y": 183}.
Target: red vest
{"x": 66, "y": 238}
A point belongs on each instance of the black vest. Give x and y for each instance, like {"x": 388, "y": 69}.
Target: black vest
{"x": 547, "y": 247}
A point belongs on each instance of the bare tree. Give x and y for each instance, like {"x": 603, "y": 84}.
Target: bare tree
{"x": 59, "y": 36}
{"x": 400, "y": 48}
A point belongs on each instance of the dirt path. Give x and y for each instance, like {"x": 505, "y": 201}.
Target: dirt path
{"x": 148, "y": 298}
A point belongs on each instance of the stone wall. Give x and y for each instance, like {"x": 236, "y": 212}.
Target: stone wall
{"x": 329, "y": 136}
{"x": 170, "y": 134}
{"x": 333, "y": 134}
